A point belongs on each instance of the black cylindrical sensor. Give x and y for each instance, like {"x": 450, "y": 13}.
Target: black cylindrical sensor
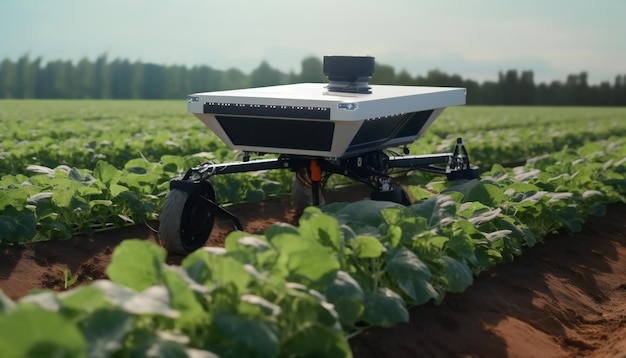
{"x": 349, "y": 73}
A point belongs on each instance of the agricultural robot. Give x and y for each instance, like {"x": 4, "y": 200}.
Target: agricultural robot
{"x": 343, "y": 127}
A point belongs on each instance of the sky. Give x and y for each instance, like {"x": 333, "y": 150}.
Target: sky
{"x": 475, "y": 39}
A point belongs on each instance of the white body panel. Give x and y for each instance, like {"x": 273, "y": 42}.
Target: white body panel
{"x": 236, "y": 113}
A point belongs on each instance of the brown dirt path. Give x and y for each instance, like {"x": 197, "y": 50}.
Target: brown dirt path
{"x": 564, "y": 298}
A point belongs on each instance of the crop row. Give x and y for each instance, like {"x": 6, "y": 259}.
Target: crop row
{"x": 81, "y": 133}
{"x": 68, "y": 167}
{"x": 302, "y": 291}
{"x": 56, "y": 203}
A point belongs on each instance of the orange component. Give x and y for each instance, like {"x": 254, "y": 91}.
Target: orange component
{"x": 316, "y": 171}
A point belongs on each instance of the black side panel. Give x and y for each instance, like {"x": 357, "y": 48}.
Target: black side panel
{"x": 376, "y": 129}
{"x": 376, "y": 132}
{"x": 278, "y": 133}
{"x": 414, "y": 124}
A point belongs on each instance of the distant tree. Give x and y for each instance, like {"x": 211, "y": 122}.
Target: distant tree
{"x": 619, "y": 90}
{"x": 490, "y": 93}
{"x": 383, "y": 74}
{"x": 176, "y": 82}
{"x": 136, "y": 80}
{"x": 85, "y": 79}
{"x": 312, "y": 71}
{"x": 233, "y": 79}
{"x": 102, "y": 83}
{"x": 204, "y": 78}
{"x": 526, "y": 88}
{"x": 264, "y": 75}
{"x": 473, "y": 91}
{"x": 120, "y": 79}
{"x": 437, "y": 77}
{"x": 8, "y": 79}
{"x": 154, "y": 81}
{"x": 31, "y": 78}
{"x": 404, "y": 78}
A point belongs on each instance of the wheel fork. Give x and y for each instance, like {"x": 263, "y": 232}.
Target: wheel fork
{"x": 193, "y": 188}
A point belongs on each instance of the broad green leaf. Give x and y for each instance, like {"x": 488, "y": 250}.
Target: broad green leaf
{"x": 316, "y": 340}
{"x": 105, "y": 331}
{"x": 268, "y": 308}
{"x": 458, "y": 274}
{"x": 497, "y": 235}
{"x": 29, "y": 331}
{"x": 106, "y": 173}
{"x": 482, "y": 216}
{"x": 598, "y": 209}
{"x": 419, "y": 193}
{"x": 17, "y": 226}
{"x": 438, "y": 210}
{"x": 468, "y": 209}
{"x": 404, "y": 223}
{"x": 116, "y": 189}
{"x": 214, "y": 270}
{"x": 272, "y": 187}
{"x": 40, "y": 169}
{"x": 279, "y": 228}
{"x": 40, "y": 197}
{"x": 488, "y": 194}
{"x": 173, "y": 163}
{"x": 250, "y": 249}
{"x": 401, "y": 262}
{"x": 139, "y": 163}
{"x": 333, "y": 208}
{"x": 395, "y": 215}
{"x": 236, "y": 240}
{"x": 83, "y": 298}
{"x": 347, "y": 297}
{"x": 154, "y": 300}
{"x": 162, "y": 344}
{"x": 45, "y": 299}
{"x": 463, "y": 187}
{"x": 305, "y": 260}
{"x": 52, "y": 229}
{"x": 521, "y": 187}
{"x": 182, "y": 296}
{"x": 460, "y": 243}
{"x": 253, "y": 335}
{"x": 75, "y": 175}
{"x": 384, "y": 308}
{"x": 568, "y": 216}
{"x": 365, "y": 211}
{"x": 255, "y": 195}
{"x": 63, "y": 197}
{"x": 366, "y": 247}
{"x": 323, "y": 228}
{"x": 412, "y": 274}
{"x": 420, "y": 290}
{"x": 137, "y": 264}
{"x": 393, "y": 236}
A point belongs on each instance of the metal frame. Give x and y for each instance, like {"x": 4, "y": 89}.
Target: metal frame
{"x": 372, "y": 168}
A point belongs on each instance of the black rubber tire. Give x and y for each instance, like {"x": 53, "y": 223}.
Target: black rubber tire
{"x": 186, "y": 220}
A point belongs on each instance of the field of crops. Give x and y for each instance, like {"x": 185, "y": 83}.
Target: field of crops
{"x": 70, "y": 167}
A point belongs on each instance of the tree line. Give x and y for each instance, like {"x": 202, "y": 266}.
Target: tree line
{"x": 121, "y": 79}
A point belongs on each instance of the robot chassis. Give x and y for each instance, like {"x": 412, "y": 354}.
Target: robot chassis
{"x": 358, "y": 149}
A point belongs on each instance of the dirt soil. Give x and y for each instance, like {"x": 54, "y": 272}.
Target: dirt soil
{"x": 564, "y": 298}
